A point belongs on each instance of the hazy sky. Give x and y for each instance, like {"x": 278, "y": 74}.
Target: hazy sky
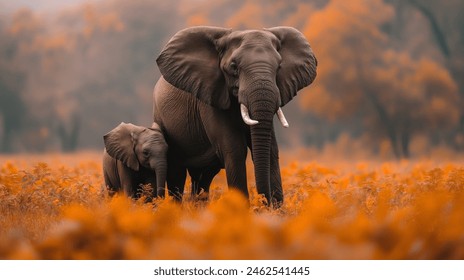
{"x": 7, "y": 6}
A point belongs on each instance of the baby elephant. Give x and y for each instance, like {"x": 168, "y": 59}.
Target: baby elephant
{"x": 135, "y": 155}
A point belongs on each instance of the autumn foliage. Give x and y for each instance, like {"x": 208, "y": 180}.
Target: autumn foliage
{"x": 390, "y": 71}
{"x": 368, "y": 210}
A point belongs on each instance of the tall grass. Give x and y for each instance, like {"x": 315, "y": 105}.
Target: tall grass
{"x": 51, "y": 209}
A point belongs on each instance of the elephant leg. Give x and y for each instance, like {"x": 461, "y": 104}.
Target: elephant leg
{"x": 110, "y": 174}
{"x": 277, "y": 195}
{"x": 176, "y": 181}
{"x": 202, "y": 178}
{"x": 109, "y": 186}
{"x": 195, "y": 176}
{"x": 207, "y": 177}
{"x": 128, "y": 180}
{"x": 195, "y": 188}
{"x": 235, "y": 165}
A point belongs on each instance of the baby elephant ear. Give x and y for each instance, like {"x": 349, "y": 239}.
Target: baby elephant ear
{"x": 190, "y": 62}
{"x": 298, "y": 68}
{"x": 120, "y": 143}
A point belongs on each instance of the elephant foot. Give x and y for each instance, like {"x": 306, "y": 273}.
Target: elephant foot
{"x": 277, "y": 200}
{"x": 276, "y": 204}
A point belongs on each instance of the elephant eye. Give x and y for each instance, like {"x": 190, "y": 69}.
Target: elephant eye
{"x": 233, "y": 68}
{"x": 146, "y": 153}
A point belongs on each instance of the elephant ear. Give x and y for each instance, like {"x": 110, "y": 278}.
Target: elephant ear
{"x": 120, "y": 143}
{"x": 190, "y": 62}
{"x": 298, "y": 67}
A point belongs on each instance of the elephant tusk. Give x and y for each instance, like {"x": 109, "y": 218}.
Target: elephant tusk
{"x": 282, "y": 119}
{"x": 246, "y": 117}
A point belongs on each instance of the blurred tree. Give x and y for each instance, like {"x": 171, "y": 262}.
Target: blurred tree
{"x": 116, "y": 62}
{"x": 249, "y": 14}
{"x": 12, "y": 109}
{"x": 361, "y": 77}
{"x": 446, "y": 32}
{"x": 95, "y": 61}
{"x": 39, "y": 56}
{"x": 388, "y": 71}
{"x": 69, "y": 136}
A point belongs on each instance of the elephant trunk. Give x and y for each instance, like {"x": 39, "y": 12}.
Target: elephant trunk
{"x": 160, "y": 167}
{"x": 262, "y": 105}
{"x": 261, "y": 149}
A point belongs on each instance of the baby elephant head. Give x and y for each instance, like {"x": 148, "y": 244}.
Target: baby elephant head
{"x": 136, "y": 145}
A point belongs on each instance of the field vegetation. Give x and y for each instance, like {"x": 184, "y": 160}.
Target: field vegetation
{"x": 53, "y": 207}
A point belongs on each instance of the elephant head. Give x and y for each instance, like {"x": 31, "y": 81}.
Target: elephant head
{"x": 262, "y": 70}
{"x": 137, "y": 146}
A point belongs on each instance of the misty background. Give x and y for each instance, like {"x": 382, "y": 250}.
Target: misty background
{"x": 389, "y": 76}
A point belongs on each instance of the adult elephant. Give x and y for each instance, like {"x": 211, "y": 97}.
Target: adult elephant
{"x": 218, "y": 94}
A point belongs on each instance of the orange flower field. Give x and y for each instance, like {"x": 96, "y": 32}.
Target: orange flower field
{"x": 53, "y": 207}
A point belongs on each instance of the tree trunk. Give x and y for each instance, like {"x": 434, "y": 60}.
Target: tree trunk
{"x": 390, "y": 129}
{"x": 69, "y": 138}
{"x": 442, "y": 43}
{"x": 405, "y": 139}
{"x": 437, "y": 32}
{"x": 6, "y": 145}
{"x": 385, "y": 119}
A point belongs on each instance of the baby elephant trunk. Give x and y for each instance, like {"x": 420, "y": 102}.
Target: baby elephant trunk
{"x": 160, "y": 168}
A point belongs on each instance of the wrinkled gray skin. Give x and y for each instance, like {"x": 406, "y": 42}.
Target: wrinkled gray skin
{"x": 135, "y": 155}
{"x": 207, "y": 73}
